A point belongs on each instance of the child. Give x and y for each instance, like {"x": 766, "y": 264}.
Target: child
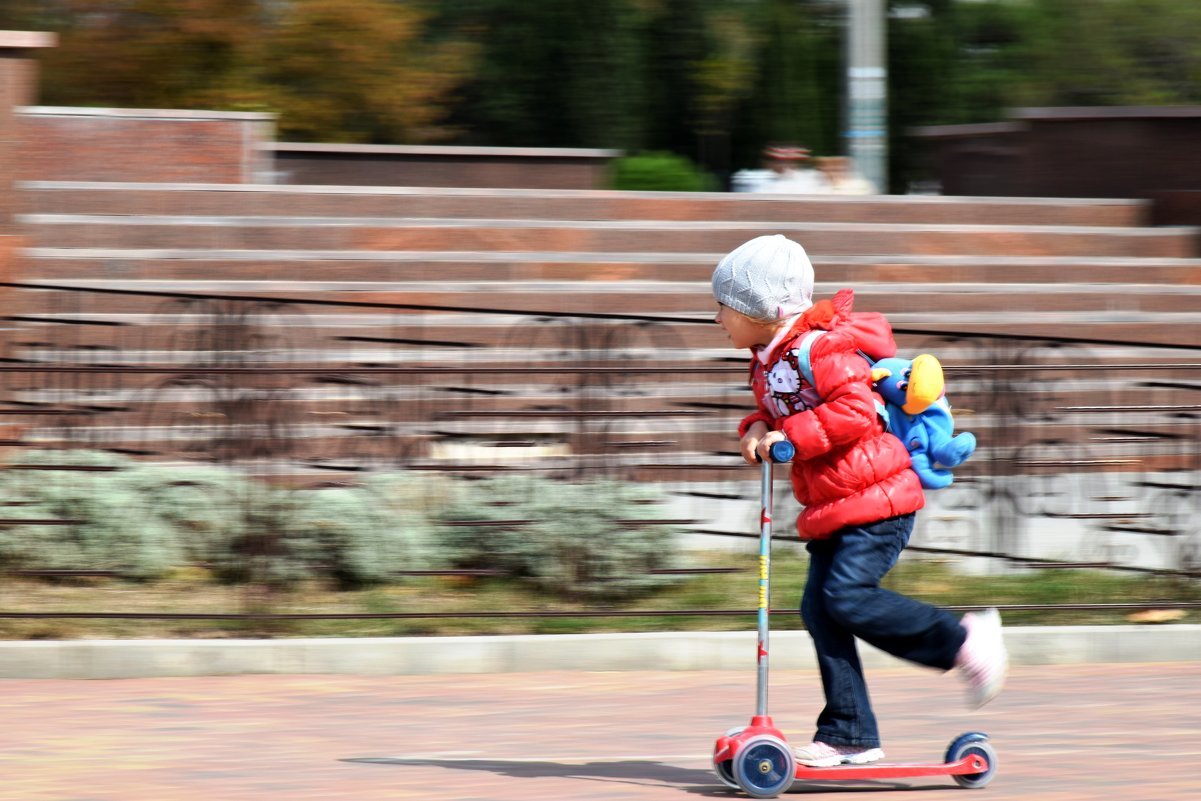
{"x": 854, "y": 482}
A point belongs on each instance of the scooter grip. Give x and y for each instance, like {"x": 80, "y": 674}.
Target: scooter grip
{"x": 782, "y": 451}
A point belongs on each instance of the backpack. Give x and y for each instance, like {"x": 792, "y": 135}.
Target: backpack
{"x": 914, "y": 409}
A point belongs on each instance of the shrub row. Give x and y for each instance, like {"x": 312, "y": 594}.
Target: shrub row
{"x": 142, "y": 520}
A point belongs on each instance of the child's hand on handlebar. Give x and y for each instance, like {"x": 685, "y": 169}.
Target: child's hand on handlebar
{"x": 756, "y": 443}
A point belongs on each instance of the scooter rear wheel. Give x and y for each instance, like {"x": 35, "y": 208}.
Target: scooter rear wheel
{"x": 966, "y": 745}
{"x": 764, "y": 766}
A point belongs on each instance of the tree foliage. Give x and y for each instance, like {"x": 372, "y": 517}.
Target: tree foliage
{"x": 333, "y": 70}
{"x": 147, "y": 53}
{"x": 709, "y": 80}
{"x": 357, "y": 71}
{"x": 551, "y": 73}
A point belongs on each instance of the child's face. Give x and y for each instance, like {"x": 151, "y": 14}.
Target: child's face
{"x": 744, "y": 332}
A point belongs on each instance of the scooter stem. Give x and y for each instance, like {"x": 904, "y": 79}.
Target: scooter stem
{"x": 780, "y": 452}
{"x": 765, "y": 494}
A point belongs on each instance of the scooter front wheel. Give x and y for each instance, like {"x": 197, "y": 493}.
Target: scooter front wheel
{"x": 764, "y": 766}
{"x": 725, "y": 772}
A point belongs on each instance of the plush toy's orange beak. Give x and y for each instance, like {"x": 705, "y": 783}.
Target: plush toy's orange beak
{"x": 926, "y": 384}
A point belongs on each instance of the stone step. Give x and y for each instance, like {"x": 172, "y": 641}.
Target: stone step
{"x": 665, "y": 298}
{"x": 508, "y": 266}
{"x": 161, "y": 435}
{"x": 163, "y": 322}
{"x": 1114, "y": 398}
{"x": 184, "y": 264}
{"x": 1128, "y": 411}
{"x": 63, "y": 197}
{"x": 384, "y": 234}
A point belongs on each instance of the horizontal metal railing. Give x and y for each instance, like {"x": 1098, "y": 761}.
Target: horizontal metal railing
{"x": 1035, "y": 429}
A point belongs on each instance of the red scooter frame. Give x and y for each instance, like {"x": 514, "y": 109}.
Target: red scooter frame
{"x": 757, "y": 758}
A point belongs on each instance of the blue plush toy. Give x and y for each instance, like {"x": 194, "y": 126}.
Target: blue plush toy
{"x": 919, "y": 415}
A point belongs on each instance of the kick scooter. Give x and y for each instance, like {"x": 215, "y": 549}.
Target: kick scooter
{"x": 757, "y": 758}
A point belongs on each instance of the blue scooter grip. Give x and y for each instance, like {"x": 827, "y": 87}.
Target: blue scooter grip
{"x": 782, "y": 451}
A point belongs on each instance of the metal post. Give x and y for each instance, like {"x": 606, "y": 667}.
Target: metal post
{"x": 867, "y": 90}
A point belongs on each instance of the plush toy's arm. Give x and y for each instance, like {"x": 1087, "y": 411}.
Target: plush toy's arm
{"x": 916, "y": 436}
{"x": 931, "y": 477}
{"x": 944, "y": 448}
{"x": 954, "y": 451}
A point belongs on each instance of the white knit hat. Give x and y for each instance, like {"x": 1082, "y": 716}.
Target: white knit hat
{"x": 767, "y": 278}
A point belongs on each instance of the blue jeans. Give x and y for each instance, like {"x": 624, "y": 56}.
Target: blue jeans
{"x": 843, "y": 600}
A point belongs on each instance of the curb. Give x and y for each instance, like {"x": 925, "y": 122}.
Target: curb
{"x": 121, "y": 659}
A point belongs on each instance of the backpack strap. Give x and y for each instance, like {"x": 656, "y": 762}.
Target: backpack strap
{"x": 805, "y": 365}
{"x": 803, "y": 357}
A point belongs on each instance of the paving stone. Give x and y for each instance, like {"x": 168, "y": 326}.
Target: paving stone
{"x": 1062, "y": 733}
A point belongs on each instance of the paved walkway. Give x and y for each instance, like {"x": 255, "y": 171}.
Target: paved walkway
{"x": 1127, "y": 732}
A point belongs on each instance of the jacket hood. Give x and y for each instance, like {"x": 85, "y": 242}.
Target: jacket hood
{"x": 826, "y": 314}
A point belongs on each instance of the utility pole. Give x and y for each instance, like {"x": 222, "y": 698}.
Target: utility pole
{"x": 867, "y": 89}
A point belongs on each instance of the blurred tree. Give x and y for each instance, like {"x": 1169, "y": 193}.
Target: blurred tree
{"x": 32, "y": 15}
{"x": 334, "y": 70}
{"x": 143, "y": 53}
{"x": 711, "y": 80}
{"x": 723, "y": 81}
{"x": 353, "y": 71}
{"x": 1111, "y": 52}
{"x": 553, "y": 73}
{"x": 796, "y": 83}
{"x": 962, "y": 62}
{"x": 949, "y": 62}
{"x": 677, "y": 44}
{"x": 968, "y": 61}
{"x": 787, "y": 100}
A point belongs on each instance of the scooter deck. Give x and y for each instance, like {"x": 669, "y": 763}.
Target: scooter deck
{"x": 969, "y": 765}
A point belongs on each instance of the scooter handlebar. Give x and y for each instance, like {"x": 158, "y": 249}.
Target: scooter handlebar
{"x": 781, "y": 451}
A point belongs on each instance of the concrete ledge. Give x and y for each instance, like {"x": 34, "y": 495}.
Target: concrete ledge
{"x": 444, "y": 150}
{"x": 115, "y": 659}
{"x": 156, "y": 114}
{"x": 27, "y": 40}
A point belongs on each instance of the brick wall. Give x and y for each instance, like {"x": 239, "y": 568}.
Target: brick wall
{"x": 1104, "y": 152}
{"x": 438, "y": 165}
{"x": 90, "y": 144}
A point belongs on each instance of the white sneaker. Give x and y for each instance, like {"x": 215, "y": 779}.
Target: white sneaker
{"x": 824, "y": 755}
{"x": 983, "y": 658}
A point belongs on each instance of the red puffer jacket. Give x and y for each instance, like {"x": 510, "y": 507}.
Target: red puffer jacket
{"x": 847, "y": 469}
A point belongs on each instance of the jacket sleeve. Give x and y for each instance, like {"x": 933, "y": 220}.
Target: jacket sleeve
{"x": 848, "y": 411}
{"x": 761, "y": 413}
{"x": 757, "y": 416}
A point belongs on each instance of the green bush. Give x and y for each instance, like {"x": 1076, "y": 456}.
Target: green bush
{"x": 352, "y": 536}
{"x": 141, "y": 520}
{"x": 595, "y": 540}
{"x": 106, "y": 523}
{"x": 659, "y": 172}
